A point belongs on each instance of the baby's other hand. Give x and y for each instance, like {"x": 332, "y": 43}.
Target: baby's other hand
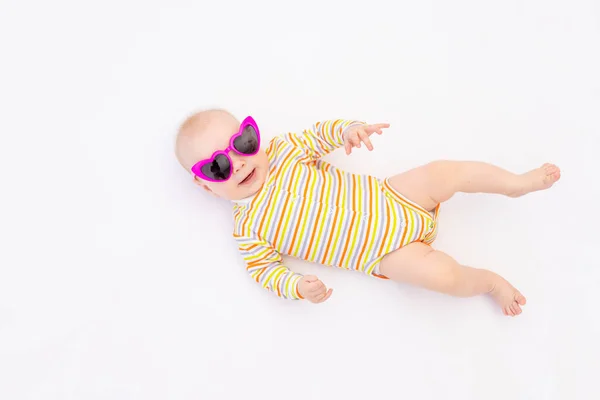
{"x": 360, "y": 133}
{"x": 313, "y": 290}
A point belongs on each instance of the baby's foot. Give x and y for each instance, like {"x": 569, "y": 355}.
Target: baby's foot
{"x": 507, "y": 297}
{"x": 538, "y": 179}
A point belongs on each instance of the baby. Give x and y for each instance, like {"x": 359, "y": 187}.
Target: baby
{"x": 288, "y": 201}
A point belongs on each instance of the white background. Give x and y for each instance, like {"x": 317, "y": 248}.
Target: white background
{"x": 119, "y": 278}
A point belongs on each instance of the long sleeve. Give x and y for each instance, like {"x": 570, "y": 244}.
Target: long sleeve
{"x": 265, "y": 266}
{"x": 322, "y": 138}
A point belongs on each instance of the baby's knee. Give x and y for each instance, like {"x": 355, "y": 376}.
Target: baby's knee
{"x": 449, "y": 277}
{"x": 451, "y": 282}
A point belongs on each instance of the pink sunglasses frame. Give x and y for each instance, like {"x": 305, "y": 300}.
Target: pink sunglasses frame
{"x": 197, "y": 168}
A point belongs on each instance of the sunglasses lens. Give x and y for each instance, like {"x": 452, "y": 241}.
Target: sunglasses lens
{"x": 219, "y": 169}
{"x": 247, "y": 142}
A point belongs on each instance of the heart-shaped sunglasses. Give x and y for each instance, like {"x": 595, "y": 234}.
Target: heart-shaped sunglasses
{"x": 217, "y": 168}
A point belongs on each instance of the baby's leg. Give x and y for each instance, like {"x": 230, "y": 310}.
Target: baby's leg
{"x": 438, "y": 181}
{"x": 420, "y": 265}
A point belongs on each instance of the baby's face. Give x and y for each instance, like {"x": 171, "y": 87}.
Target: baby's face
{"x": 248, "y": 173}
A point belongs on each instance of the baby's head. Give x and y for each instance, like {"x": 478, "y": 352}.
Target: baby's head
{"x": 208, "y": 146}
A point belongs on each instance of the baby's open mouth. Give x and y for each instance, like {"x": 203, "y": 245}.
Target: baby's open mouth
{"x": 249, "y": 177}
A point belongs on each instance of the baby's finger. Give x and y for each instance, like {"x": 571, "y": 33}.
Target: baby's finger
{"x": 319, "y": 298}
{"x": 327, "y": 295}
{"x": 348, "y": 146}
{"x": 377, "y": 128}
{"x": 315, "y": 287}
{"x": 365, "y": 138}
{"x": 311, "y": 278}
{"x": 312, "y": 299}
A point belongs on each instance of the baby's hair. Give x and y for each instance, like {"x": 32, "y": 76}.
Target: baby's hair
{"x": 194, "y": 124}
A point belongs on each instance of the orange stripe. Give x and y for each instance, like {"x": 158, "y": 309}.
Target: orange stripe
{"x": 298, "y": 292}
{"x": 273, "y": 146}
{"x": 351, "y": 223}
{"x": 405, "y": 226}
{"x": 293, "y": 190}
{"x": 294, "y": 140}
{"x": 285, "y": 205}
{"x": 337, "y": 210}
{"x": 300, "y": 215}
{"x": 421, "y": 229}
{"x": 369, "y": 224}
{"x": 263, "y": 218}
{"x": 312, "y": 236}
{"x": 262, "y": 271}
{"x": 268, "y": 208}
{"x": 244, "y": 223}
{"x": 348, "y": 238}
{"x": 387, "y": 227}
{"x": 321, "y": 229}
{"x": 247, "y": 247}
{"x": 283, "y": 163}
{"x": 276, "y": 283}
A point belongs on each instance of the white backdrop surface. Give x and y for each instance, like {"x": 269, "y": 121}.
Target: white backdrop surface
{"x": 119, "y": 278}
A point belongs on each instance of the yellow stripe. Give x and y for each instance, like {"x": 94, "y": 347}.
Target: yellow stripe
{"x": 290, "y": 211}
{"x": 322, "y": 222}
{"x": 343, "y": 198}
{"x": 367, "y": 225}
{"x": 356, "y": 198}
{"x": 272, "y": 210}
{"x": 393, "y": 229}
{"x": 375, "y": 200}
{"x": 411, "y": 224}
{"x": 277, "y": 277}
{"x": 287, "y": 287}
{"x": 305, "y": 221}
{"x": 271, "y": 275}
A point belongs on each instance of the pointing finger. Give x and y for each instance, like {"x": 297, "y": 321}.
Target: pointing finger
{"x": 377, "y": 128}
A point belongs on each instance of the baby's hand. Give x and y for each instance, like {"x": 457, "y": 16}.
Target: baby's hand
{"x": 313, "y": 290}
{"x": 360, "y": 133}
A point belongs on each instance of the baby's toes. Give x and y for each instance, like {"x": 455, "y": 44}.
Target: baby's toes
{"x": 552, "y": 172}
{"x": 517, "y": 308}
{"x": 520, "y": 299}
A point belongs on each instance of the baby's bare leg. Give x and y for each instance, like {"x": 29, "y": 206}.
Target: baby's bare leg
{"x": 438, "y": 181}
{"x": 418, "y": 264}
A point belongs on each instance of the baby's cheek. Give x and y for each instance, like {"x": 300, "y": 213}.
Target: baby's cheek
{"x": 230, "y": 190}
{"x": 261, "y": 160}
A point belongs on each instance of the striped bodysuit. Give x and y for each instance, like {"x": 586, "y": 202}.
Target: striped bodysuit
{"x": 311, "y": 210}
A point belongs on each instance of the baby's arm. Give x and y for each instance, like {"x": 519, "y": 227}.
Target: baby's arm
{"x": 265, "y": 266}
{"x": 322, "y": 138}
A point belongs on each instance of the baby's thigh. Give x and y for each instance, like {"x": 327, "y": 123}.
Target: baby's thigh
{"x": 417, "y": 185}
{"x": 424, "y": 185}
{"x": 418, "y": 264}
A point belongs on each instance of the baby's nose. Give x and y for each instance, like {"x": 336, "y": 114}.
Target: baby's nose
{"x": 238, "y": 163}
